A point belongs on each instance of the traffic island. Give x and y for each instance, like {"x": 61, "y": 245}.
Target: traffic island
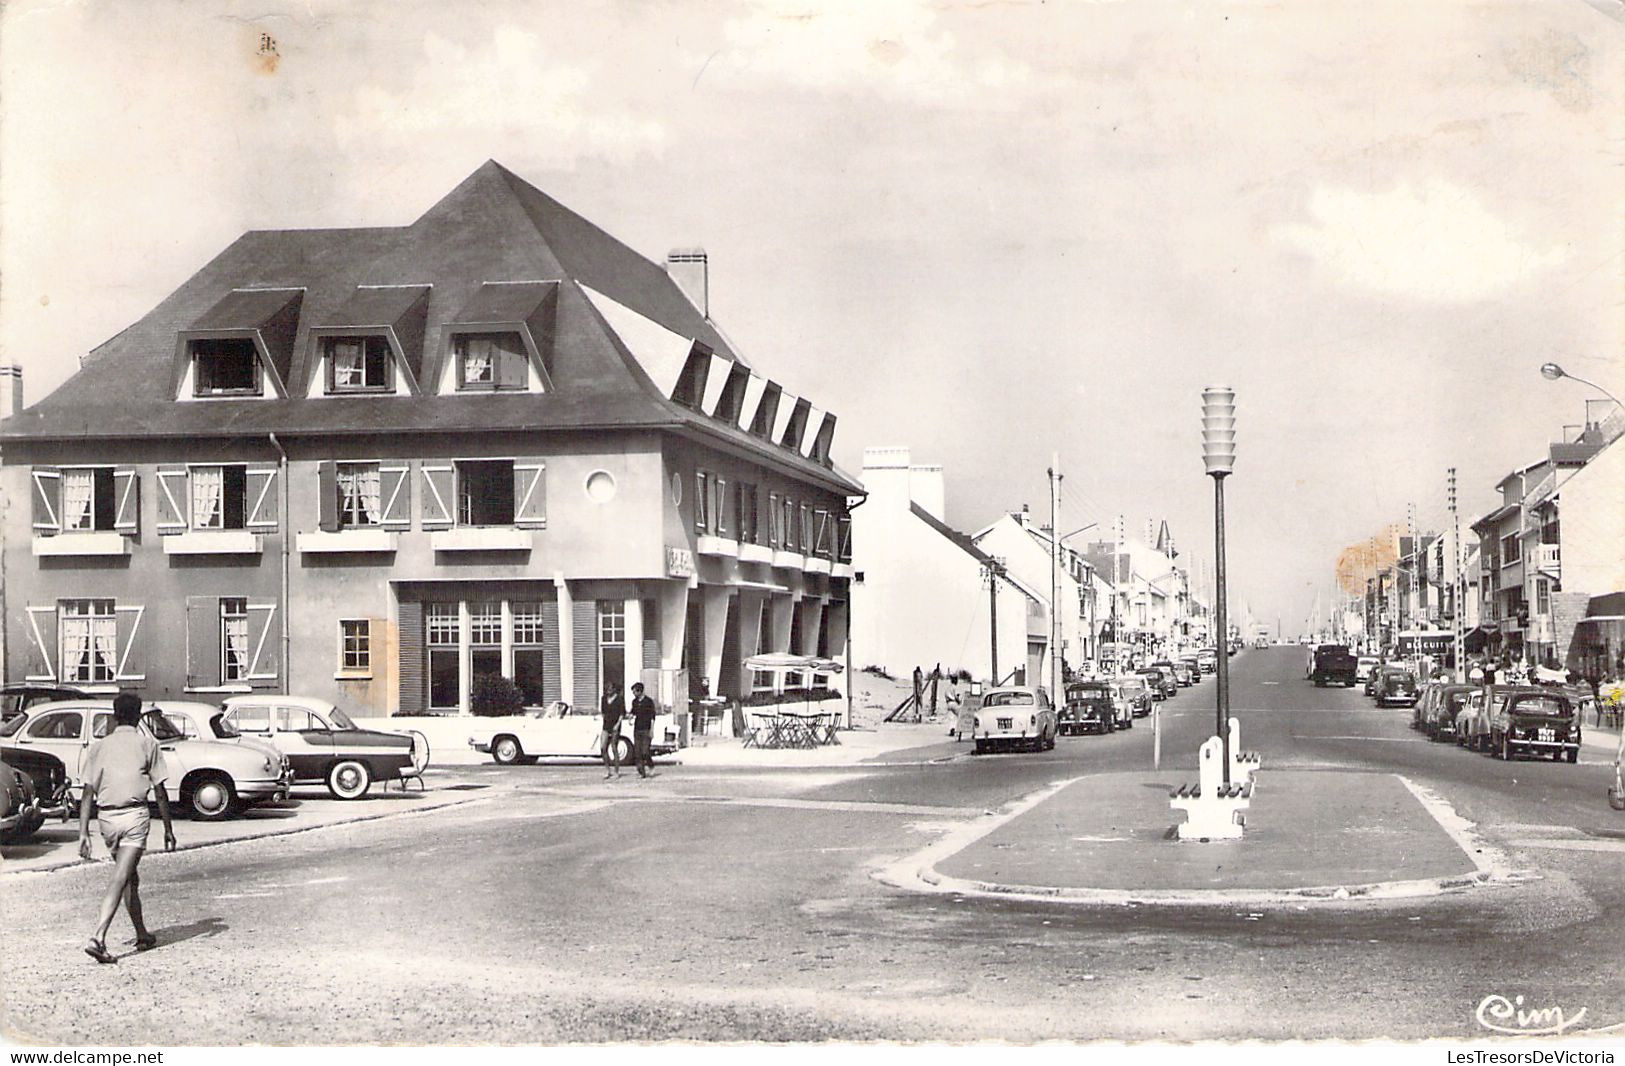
{"x": 1311, "y": 835}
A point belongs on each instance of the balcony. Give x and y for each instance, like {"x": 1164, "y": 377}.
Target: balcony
{"x": 755, "y": 553}
{"x": 709, "y": 544}
{"x": 213, "y": 542}
{"x": 790, "y": 560}
{"x": 1546, "y": 559}
{"x": 347, "y": 541}
{"x": 67, "y": 545}
{"x": 481, "y": 539}
{"x": 816, "y": 564}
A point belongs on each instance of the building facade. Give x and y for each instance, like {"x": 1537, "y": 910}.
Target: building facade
{"x": 374, "y": 465}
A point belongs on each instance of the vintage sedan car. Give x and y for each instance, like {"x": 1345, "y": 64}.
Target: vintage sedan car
{"x": 206, "y": 721}
{"x": 1474, "y": 718}
{"x": 1536, "y": 723}
{"x": 1014, "y": 716}
{"x": 1363, "y": 665}
{"x": 1168, "y": 667}
{"x": 1208, "y": 660}
{"x": 17, "y": 698}
{"x": 48, "y": 782}
{"x": 1090, "y": 708}
{"x": 561, "y": 731}
{"x": 211, "y": 778}
{"x": 1162, "y": 682}
{"x": 1437, "y": 710}
{"x": 20, "y": 812}
{"x": 322, "y": 744}
{"x": 1135, "y": 691}
{"x": 1397, "y": 688}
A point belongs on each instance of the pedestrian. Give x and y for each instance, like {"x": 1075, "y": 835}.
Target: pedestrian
{"x": 643, "y": 711}
{"x": 609, "y": 738}
{"x": 121, "y": 769}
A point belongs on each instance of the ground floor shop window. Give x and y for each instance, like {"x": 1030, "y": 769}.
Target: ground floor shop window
{"x": 443, "y": 641}
{"x": 470, "y": 638}
{"x": 89, "y": 641}
{"x": 529, "y": 654}
{"x": 611, "y": 644}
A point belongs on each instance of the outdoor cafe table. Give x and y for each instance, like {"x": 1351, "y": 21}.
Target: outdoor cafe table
{"x": 791, "y": 729}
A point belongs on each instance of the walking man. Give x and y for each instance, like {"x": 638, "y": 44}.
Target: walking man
{"x": 120, "y": 770}
{"x": 643, "y": 727}
{"x": 612, "y": 708}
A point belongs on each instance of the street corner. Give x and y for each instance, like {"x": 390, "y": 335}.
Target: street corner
{"x": 1311, "y": 835}
{"x": 56, "y": 845}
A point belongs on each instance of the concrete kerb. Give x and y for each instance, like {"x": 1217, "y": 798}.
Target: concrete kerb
{"x": 918, "y": 873}
{"x": 69, "y": 863}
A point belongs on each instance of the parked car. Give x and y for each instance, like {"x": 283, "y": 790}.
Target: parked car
{"x": 1333, "y": 664}
{"x": 1162, "y": 679}
{"x": 1363, "y": 665}
{"x": 1136, "y": 692}
{"x": 321, "y": 743}
{"x": 212, "y": 778}
{"x": 1208, "y": 660}
{"x": 20, "y": 813}
{"x": 1185, "y": 673}
{"x": 206, "y": 721}
{"x": 560, "y": 730}
{"x": 1014, "y": 716}
{"x": 1396, "y": 687}
{"x": 1373, "y": 684}
{"x": 1090, "y": 708}
{"x": 1436, "y": 711}
{"x": 1172, "y": 673}
{"x": 1473, "y": 721}
{"x": 1536, "y": 723}
{"x": 17, "y": 698}
{"x": 1195, "y": 665}
{"x": 47, "y": 777}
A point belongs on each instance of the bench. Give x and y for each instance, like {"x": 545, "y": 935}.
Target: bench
{"x": 1213, "y": 809}
{"x": 1243, "y": 764}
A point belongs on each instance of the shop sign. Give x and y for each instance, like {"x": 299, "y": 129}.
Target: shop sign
{"x": 679, "y": 562}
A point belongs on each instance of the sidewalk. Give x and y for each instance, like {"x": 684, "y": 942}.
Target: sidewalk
{"x": 1310, "y": 834}
{"x": 56, "y": 845}
{"x": 885, "y": 743}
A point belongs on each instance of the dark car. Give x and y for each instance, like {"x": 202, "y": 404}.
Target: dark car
{"x": 1088, "y": 709}
{"x": 20, "y": 812}
{"x": 17, "y": 698}
{"x": 1161, "y": 683}
{"x": 1397, "y": 687}
{"x": 1170, "y": 676}
{"x": 1437, "y": 711}
{"x": 1536, "y": 723}
{"x": 1333, "y": 664}
{"x": 1373, "y": 684}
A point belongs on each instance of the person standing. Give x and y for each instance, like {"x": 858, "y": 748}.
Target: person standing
{"x": 121, "y": 769}
{"x": 643, "y": 712}
{"x": 613, "y": 707}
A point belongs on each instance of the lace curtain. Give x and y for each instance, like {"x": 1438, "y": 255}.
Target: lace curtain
{"x": 207, "y": 485}
{"x": 77, "y": 489}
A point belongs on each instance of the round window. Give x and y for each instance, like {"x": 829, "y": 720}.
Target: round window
{"x": 600, "y": 486}
{"x": 676, "y": 489}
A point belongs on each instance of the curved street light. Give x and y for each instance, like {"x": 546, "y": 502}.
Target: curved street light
{"x": 1552, "y": 372}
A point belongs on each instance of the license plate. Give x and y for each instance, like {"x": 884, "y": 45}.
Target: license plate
{"x": 1548, "y": 735}
{"x": 1004, "y": 723}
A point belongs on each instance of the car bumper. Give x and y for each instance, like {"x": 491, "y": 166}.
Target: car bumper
{"x": 23, "y": 821}
{"x": 265, "y": 790}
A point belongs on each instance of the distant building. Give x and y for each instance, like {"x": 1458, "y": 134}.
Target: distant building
{"x": 924, "y": 594}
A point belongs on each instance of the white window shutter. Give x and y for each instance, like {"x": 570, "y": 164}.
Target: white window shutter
{"x": 262, "y": 499}
{"x": 127, "y": 501}
{"x": 47, "y": 501}
{"x": 173, "y": 513}
{"x": 395, "y": 494}
{"x": 530, "y": 493}
{"x": 439, "y": 495}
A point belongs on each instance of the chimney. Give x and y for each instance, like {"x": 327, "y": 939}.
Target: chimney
{"x": 11, "y": 391}
{"x": 690, "y": 269}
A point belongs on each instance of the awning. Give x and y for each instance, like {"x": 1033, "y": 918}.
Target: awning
{"x": 779, "y": 660}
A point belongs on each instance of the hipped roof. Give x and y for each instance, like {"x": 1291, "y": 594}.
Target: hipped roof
{"x": 493, "y": 228}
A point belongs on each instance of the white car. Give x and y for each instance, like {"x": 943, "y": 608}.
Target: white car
{"x": 561, "y": 730}
{"x": 205, "y": 721}
{"x": 1014, "y": 716}
{"x": 322, "y": 744}
{"x": 214, "y": 778}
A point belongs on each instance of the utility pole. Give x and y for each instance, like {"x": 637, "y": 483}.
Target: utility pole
{"x": 1055, "y": 577}
{"x": 992, "y": 570}
{"x": 1455, "y": 580}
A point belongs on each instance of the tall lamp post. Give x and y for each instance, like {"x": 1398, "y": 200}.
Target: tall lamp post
{"x": 1219, "y": 453}
{"x": 1551, "y": 372}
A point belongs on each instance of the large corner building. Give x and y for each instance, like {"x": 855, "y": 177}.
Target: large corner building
{"x": 374, "y": 464}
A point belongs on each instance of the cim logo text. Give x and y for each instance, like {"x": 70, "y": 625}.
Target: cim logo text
{"x": 1500, "y": 1015}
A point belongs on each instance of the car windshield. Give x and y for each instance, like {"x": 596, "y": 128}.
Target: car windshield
{"x": 1010, "y": 699}
{"x": 1546, "y": 706}
{"x": 339, "y": 719}
{"x": 160, "y": 727}
{"x": 12, "y": 725}
{"x": 224, "y": 728}
{"x": 1085, "y": 692}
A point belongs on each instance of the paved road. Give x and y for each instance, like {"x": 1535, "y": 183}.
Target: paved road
{"x": 728, "y": 905}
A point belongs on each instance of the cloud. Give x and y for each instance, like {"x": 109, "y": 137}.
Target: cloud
{"x": 895, "y": 47}
{"x": 1435, "y": 243}
{"x": 509, "y": 90}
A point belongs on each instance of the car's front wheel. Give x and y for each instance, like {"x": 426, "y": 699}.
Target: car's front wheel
{"x": 623, "y": 751}
{"x": 349, "y": 779}
{"x": 211, "y": 797}
{"x": 506, "y": 750}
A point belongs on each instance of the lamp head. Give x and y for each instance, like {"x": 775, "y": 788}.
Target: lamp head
{"x": 1551, "y": 371}
{"x": 1219, "y": 429}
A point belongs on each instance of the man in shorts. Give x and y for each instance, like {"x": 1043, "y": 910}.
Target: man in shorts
{"x": 612, "y": 707}
{"x": 121, "y": 770}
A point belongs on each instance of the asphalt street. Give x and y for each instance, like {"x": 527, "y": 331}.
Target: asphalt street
{"x": 743, "y": 905}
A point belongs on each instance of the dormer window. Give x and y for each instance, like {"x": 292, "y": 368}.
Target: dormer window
{"x": 359, "y": 364}
{"x": 489, "y": 362}
{"x": 226, "y": 367}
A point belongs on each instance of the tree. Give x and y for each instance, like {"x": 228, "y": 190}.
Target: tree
{"x": 493, "y": 696}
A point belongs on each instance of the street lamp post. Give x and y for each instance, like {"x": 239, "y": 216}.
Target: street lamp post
{"x": 1551, "y": 372}
{"x": 1219, "y": 453}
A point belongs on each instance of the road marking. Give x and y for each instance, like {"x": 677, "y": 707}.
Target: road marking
{"x": 1383, "y": 740}
{"x": 1571, "y": 845}
{"x": 1490, "y": 860}
{"x": 326, "y": 880}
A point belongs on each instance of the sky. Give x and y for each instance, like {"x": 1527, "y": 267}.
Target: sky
{"x": 992, "y": 232}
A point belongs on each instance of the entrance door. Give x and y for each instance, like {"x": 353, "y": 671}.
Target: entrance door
{"x": 611, "y": 645}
